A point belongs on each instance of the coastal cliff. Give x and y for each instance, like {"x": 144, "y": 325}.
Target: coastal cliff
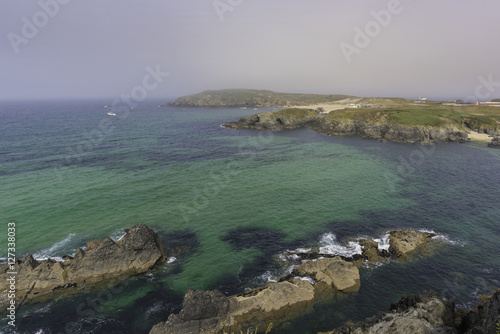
{"x": 386, "y": 124}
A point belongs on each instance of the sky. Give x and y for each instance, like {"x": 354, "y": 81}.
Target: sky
{"x": 64, "y": 49}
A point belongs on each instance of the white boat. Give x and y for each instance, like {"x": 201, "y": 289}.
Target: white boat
{"x": 243, "y": 108}
{"x": 110, "y": 113}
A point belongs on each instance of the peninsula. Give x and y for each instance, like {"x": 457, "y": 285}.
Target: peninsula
{"x": 388, "y": 119}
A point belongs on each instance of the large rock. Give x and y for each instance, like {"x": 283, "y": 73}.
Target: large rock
{"x": 495, "y": 142}
{"x": 405, "y": 242}
{"x": 276, "y": 120}
{"x": 425, "y": 313}
{"x": 335, "y": 273}
{"x": 484, "y": 318}
{"x": 211, "y": 311}
{"x": 271, "y": 305}
{"x": 136, "y": 252}
{"x": 201, "y": 310}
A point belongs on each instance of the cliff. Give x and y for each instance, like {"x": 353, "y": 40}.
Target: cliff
{"x": 250, "y": 98}
{"x": 402, "y": 125}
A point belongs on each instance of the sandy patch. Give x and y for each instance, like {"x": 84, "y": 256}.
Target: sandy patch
{"x": 476, "y": 136}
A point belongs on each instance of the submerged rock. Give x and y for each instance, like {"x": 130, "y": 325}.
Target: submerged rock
{"x": 406, "y": 242}
{"x": 136, "y": 252}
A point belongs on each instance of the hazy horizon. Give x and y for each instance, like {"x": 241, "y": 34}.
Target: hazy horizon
{"x": 62, "y": 49}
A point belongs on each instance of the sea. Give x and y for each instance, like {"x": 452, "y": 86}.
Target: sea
{"x": 230, "y": 202}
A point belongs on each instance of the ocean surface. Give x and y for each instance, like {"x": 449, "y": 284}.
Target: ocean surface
{"x": 233, "y": 200}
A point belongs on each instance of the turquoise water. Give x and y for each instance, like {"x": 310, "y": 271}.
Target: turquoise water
{"x": 70, "y": 174}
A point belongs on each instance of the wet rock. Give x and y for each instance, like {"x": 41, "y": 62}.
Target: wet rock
{"x": 136, "y": 252}
{"x": 405, "y": 242}
{"x": 334, "y": 272}
{"x": 424, "y": 313}
{"x": 484, "y": 318}
{"x": 370, "y": 250}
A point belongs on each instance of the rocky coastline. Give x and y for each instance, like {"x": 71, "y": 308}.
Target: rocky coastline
{"x": 316, "y": 278}
{"x": 379, "y": 127}
{"x": 102, "y": 260}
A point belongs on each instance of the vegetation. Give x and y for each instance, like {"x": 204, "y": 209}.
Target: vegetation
{"x": 473, "y": 117}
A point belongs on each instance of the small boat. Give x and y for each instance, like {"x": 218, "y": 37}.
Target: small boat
{"x": 254, "y": 108}
{"x": 110, "y": 113}
{"x": 243, "y": 108}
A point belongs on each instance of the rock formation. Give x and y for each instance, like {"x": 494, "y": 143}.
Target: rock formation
{"x": 276, "y": 120}
{"x": 136, "y": 252}
{"x": 484, "y": 318}
{"x": 276, "y": 303}
{"x": 495, "y": 142}
{"x": 406, "y": 242}
{"x": 424, "y": 313}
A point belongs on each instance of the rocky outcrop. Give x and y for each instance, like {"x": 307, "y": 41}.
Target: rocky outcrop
{"x": 406, "y": 242}
{"x": 136, "y": 252}
{"x": 331, "y": 273}
{"x": 276, "y": 120}
{"x": 380, "y": 127}
{"x": 495, "y": 142}
{"x": 384, "y": 130}
{"x": 484, "y": 318}
{"x": 424, "y": 313}
{"x": 271, "y": 305}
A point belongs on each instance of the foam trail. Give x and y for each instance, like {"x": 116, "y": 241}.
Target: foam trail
{"x": 383, "y": 242}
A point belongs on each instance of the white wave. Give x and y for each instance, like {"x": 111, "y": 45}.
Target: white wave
{"x": 383, "y": 242}
{"x": 443, "y": 237}
{"x": 308, "y": 279}
{"x": 267, "y": 277}
{"x": 117, "y": 235}
{"x": 55, "y": 250}
{"x": 171, "y": 259}
{"x": 330, "y": 245}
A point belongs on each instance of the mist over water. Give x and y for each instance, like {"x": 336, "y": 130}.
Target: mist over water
{"x": 69, "y": 173}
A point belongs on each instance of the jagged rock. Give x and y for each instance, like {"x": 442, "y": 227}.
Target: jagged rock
{"x": 274, "y": 304}
{"x": 201, "y": 310}
{"x": 334, "y": 272}
{"x": 495, "y": 142}
{"x": 135, "y": 253}
{"x": 484, "y": 318}
{"x": 405, "y": 242}
{"x": 276, "y": 120}
{"x": 211, "y": 311}
{"x": 425, "y": 313}
{"x": 370, "y": 250}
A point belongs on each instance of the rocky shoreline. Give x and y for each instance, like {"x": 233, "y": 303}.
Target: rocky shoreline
{"x": 378, "y": 127}
{"x": 138, "y": 251}
{"x": 315, "y": 278}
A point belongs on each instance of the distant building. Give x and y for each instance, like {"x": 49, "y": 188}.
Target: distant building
{"x": 353, "y": 105}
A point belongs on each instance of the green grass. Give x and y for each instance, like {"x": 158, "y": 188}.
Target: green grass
{"x": 431, "y": 115}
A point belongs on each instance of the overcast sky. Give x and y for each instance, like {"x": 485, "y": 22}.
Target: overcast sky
{"x": 104, "y": 48}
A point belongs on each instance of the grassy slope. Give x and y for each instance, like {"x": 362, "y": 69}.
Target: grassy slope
{"x": 424, "y": 116}
{"x": 245, "y": 94}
